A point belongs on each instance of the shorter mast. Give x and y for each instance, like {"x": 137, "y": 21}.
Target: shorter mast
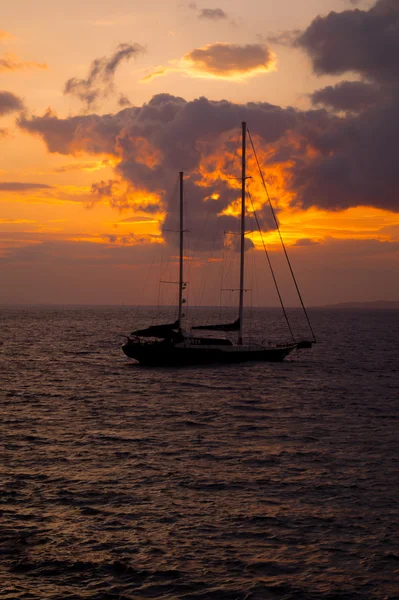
{"x": 181, "y": 283}
{"x": 242, "y": 236}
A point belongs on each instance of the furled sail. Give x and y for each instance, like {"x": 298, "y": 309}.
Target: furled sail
{"x": 168, "y": 330}
{"x": 223, "y": 327}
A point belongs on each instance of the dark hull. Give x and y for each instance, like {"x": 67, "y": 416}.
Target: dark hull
{"x": 160, "y": 355}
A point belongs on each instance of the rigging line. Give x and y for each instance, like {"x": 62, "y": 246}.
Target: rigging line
{"x": 187, "y": 251}
{"x": 281, "y": 237}
{"x": 159, "y": 283}
{"x": 255, "y": 283}
{"x": 146, "y": 283}
{"x": 165, "y": 267}
{"x": 271, "y": 268}
{"x": 207, "y": 269}
{"x": 193, "y": 247}
{"x": 230, "y": 261}
{"x": 221, "y": 280}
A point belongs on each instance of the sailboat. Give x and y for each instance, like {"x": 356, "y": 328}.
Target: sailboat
{"x": 172, "y": 345}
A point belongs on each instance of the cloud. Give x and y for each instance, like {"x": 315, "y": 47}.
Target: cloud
{"x": 124, "y": 101}
{"x": 16, "y": 186}
{"x": 100, "y": 81}
{"x": 84, "y": 166}
{"x": 324, "y": 159}
{"x": 137, "y": 220}
{"x": 17, "y": 221}
{"x": 159, "y": 71}
{"x": 306, "y": 242}
{"x": 41, "y": 248}
{"x": 123, "y": 196}
{"x": 10, "y": 62}
{"x": 34, "y": 266}
{"x": 4, "y": 35}
{"x": 349, "y": 96}
{"x": 212, "y": 14}
{"x": 227, "y": 60}
{"x": 353, "y": 157}
{"x": 284, "y": 38}
{"x": 366, "y": 42}
{"x": 65, "y": 135}
{"x": 222, "y": 61}
{"x": 9, "y": 103}
{"x": 153, "y": 142}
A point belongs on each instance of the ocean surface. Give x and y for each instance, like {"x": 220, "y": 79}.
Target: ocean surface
{"x": 244, "y": 482}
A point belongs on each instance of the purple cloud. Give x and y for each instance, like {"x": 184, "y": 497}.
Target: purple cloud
{"x": 212, "y": 14}
{"x": 100, "y": 81}
{"x": 17, "y": 186}
{"x": 9, "y": 103}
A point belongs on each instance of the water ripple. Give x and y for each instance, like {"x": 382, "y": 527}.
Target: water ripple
{"x": 252, "y": 482}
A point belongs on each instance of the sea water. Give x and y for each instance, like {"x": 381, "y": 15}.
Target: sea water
{"x": 241, "y": 482}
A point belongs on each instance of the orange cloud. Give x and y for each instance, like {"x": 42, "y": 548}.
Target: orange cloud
{"x": 16, "y": 221}
{"x": 140, "y": 148}
{"x": 148, "y": 149}
{"x": 10, "y": 62}
{"x": 231, "y": 60}
{"x": 124, "y": 196}
{"x": 222, "y": 61}
{"x": 4, "y": 35}
{"x": 158, "y": 73}
{"x": 88, "y": 166}
{"x": 221, "y": 162}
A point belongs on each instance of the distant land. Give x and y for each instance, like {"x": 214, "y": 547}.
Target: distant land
{"x": 384, "y": 304}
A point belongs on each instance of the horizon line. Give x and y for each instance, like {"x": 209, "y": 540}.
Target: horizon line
{"x": 349, "y": 304}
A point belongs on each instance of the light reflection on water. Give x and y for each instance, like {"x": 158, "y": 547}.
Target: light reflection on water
{"x": 231, "y": 482}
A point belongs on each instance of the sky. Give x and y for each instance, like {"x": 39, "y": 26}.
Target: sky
{"x": 102, "y": 104}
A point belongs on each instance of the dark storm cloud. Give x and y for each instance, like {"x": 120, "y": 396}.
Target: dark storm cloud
{"x": 212, "y": 14}
{"x": 333, "y": 161}
{"x": 336, "y": 162}
{"x": 355, "y": 160}
{"x": 16, "y": 186}
{"x": 207, "y": 226}
{"x": 366, "y": 42}
{"x": 172, "y": 126}
{"x": 9, "y": 103}
{"x": 349, "y": 96}
{"x": 100, "y": 80}
{"x": 355, "y": 163}
{"x": 91, "y": 133}
{"x": 155, "y": 141}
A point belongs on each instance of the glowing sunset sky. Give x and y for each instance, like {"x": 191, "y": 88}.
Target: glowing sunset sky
{"x": 101, "y": 104}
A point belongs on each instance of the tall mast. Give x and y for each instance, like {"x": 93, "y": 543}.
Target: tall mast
{"x": 242, "y": 237}
{"x": 181, "y": 283}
